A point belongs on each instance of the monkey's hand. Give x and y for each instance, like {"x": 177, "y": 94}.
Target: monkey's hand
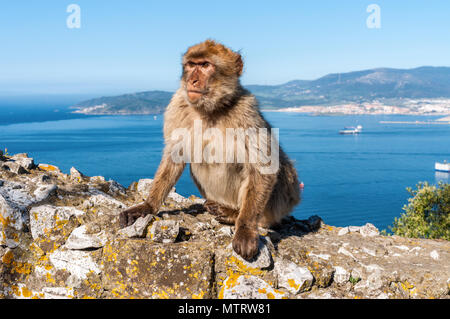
{"x": 245, "y": 242}
{"x": 129, "y": 216}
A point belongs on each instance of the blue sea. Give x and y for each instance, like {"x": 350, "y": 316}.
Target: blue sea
{"x": 349, "y": 180}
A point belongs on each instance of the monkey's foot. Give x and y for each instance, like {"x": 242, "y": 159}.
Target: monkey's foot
{"x": 129, "y": 216}
{"x": 222, "y": 214}
{"x": 245, "y": 242}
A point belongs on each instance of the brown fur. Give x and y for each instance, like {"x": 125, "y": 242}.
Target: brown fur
{"x": 236, "y": 192}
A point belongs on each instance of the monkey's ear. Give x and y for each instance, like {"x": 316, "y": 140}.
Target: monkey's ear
{"x": 239, "y": 65}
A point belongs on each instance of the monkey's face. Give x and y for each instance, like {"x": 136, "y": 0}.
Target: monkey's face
{"x": 210, "y": 79}
{"x": 197, "y": 76}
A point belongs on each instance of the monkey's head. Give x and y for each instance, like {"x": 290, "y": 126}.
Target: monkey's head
{"x": 211, "y": 74}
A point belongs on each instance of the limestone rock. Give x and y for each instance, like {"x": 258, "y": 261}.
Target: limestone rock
{"x": 112, "y": 205}
{"x": 292, "y": 277}
{"x": 44, "y": 191}
{"x": 341, "y": 276}
{"x": 248, "y": 287}
{"x": 138, "y": 228}
{"x": 138, "y": 268}
{"x": 45, "y": 217}
{"x": 73, "y": 247}
{"x": 80, "y": 239}
{"x": 343, "y": 231}
{"x": 262, "y": 260}
{"x": 10, "y": 213}
{"x": 143, "y": 187}
{"x": 49, "y": 168}
{"x": 164, "y": 231}
{"x": 76, "y": 174}
{"x": 24, "y": 161}
{"x": 369, "y": 230}
{"x": 115, "y": 188}
{"x": 226, "y": 231}
{"x": 14, "y": 167}
{"x": 78, "y": 263}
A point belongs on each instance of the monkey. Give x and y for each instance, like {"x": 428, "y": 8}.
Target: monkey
{"x": 240, "y": 193}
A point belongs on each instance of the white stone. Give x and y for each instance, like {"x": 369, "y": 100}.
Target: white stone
{"x": 293, "y": 277}
{"x": 200, "y": 201}
{"x": 97, "y": 179}
{"x": 382, "y": 296}
{"x": 345, "y": 252}
{"x": 369, "y": 230}
{"x": 434, "y": 254}
{"x": 343, "y": 231}
{"x": 138, "y": 228}
{"x": 368, "y": 251}
{"x": 43, "y": 218}
{"x": 25, "y": 162}
{"x": 374, "y": 281}
{"x": 44, "y": 191}
{"x": 248, "y": 287}
{"x": 49, "y": 168}
{"x": 76, "y": 173}
{"x": 57, "y": 293}
{"x": 226, "y": 231}
{"x": 15, "y": 167}
{"x": 99, "y": 198}
{"x": 402, "y": 247}
{"x": 177, "y": 197}
{"x": 79, "y": 239}
{"x": 354, "y": 229}
{"x": 78, "y": 263}
{"x": 143, "y": 187}
{"x": 11, "y": 214}
{"x": 319, "y": 256}
{"x": 200, "y": 226}
{"x": 262, "y": 260}
{"x": 341, "y": 276}
{"x": 164, "y": 231}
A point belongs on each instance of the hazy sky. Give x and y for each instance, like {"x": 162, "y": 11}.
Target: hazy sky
{"x": 126, "y": 46}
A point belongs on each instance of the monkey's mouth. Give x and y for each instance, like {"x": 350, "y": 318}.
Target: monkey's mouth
{"x": 197, "y": 92}
{"x": 195, "y": 95}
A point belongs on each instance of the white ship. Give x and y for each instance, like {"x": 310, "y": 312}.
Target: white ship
{"x": 351, "y": 130}
{"x": 442, "y": 167}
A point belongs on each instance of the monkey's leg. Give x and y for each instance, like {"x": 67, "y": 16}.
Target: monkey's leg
{"x": 256, "y": 194}
{"x": 166, "y": 176}
{"x": 223, "y": 214}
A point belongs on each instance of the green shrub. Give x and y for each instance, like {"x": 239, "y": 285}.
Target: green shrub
{"x": 427, "y": 214}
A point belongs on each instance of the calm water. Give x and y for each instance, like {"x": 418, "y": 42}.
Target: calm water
{"x": 349, "y": 180}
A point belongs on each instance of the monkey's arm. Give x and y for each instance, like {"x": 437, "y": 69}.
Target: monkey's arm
{"x": 166, "y": 176}
{"x": 256, "y": 193}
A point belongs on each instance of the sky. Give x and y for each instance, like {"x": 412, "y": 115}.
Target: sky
{"x": 128, "y": 46}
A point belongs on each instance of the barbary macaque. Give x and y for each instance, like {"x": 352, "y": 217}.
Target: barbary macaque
{"x": 215, "y": 125}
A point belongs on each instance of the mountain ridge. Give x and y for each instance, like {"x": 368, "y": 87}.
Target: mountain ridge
{"x": 386, "y": 84}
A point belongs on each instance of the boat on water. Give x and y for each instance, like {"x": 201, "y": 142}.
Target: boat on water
{"x": 442, "y": 167}
{"x": 351, "y": 130}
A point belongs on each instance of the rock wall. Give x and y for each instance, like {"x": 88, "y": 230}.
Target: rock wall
{"x": 60, "y": 238}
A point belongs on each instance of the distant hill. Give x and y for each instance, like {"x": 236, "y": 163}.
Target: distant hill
{"x": 150, "y": 102}
{"x": 357, "y": 87}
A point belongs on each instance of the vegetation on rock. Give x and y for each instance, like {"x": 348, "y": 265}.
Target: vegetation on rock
{"x": 427, "y": 214}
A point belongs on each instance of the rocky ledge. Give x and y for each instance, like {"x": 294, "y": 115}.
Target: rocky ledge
{"x": 60, "y": 238}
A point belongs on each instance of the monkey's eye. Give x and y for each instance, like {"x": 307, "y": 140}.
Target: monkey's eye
{"x": 205, "y": 64}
